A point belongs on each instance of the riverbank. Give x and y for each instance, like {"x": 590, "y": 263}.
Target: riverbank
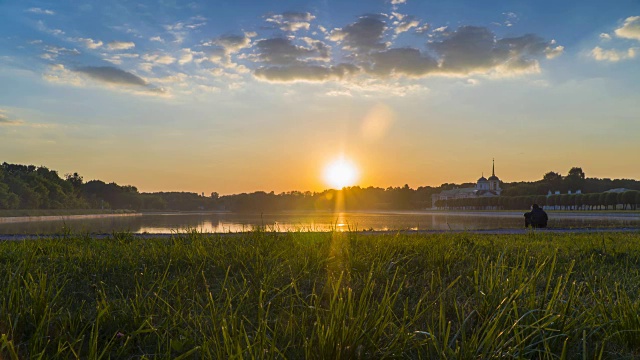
{"x": 58, "y": 212}
{"x": 19, "y": 219}
{"x": 147, "y": 236}
{"x": 617, "y": 214}
{"x": 327, "y": 295}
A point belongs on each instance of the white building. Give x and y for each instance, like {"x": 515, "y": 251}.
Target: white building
{"x": 484, "y": 188}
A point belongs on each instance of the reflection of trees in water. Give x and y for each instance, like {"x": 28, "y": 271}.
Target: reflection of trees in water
{"x": 297, "y": 222}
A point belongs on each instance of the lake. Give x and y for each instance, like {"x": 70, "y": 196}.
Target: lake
{"x": 310, "y": 221}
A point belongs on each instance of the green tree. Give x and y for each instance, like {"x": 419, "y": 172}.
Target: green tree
{"x": 611, "y": 198}
{"x": 594, "y": 200}
{"x": 628, "y": 198}
{"x": 575, "y": 179}
{"x": 553, "y": 200}
{"x": 552, "y": 180}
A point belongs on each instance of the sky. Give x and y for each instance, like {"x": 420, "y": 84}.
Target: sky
{"x": 247, "y": 95}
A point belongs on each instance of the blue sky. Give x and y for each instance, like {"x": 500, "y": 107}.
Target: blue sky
{"x": 234, "y": 96}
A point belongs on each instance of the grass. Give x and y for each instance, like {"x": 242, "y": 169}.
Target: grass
{"x": 322, "y": 296}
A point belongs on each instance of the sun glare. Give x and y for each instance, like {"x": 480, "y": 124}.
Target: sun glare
{"x": 340, "y": 173}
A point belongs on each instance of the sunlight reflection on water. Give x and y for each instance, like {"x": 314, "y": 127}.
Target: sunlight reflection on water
{"x": 306, "y": 221}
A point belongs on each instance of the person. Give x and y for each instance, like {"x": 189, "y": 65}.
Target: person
{"x": 536, "y": 218}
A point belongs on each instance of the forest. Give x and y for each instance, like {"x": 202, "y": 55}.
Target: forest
{"x": 37, "y": 187}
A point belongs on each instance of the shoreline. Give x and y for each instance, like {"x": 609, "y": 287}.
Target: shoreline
{"x": 18, "y": 219}
{"x": 558, "y": 214}
{"x": 521, "y": 231}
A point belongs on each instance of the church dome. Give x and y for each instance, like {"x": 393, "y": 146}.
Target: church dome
{"x": 493, "y": 177}
{"x": 482, "y": 179}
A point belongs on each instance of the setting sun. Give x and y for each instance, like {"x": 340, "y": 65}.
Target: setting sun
{"x": 340, "y": 173}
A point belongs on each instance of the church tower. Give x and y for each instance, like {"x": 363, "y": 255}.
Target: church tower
{"x": 494, "y": 181}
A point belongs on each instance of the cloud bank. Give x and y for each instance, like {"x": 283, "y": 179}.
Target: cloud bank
{"x": 293, "y": 47}
{"x": 368, "y": 51}
{"x": 291, "y": 21}
{"x": 630, "y": 30}
{"x": 121, "y": 45}
{"x": 41, "y": 11}
{"x": 612, "y": 55}
{"x": 6, "y": 120}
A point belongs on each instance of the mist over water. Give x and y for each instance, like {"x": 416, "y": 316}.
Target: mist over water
{"x": 308, "y": 221}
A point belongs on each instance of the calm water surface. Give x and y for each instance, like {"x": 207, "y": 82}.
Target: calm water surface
{"x": 311, "y": 221}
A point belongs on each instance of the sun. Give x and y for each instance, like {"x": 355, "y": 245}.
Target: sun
{"x": 340, "y": 173}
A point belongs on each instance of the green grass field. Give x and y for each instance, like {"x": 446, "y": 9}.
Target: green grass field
{"x": 322, "y": 296}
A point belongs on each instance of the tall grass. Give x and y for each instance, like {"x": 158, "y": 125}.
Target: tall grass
{"x": 322, "y": 296}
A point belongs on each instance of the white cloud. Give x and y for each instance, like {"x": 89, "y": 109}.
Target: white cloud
{"x": 117, "y": 58}
{"x": 397, "y": 2}
{"x": 146, "y": 67}
{"x": 90, "y": 43}
{"x": 156, "y": 38}
{"x": 422, "y": 29}
{"x": 630, "y": 29}
{"x": 601, "y": 54}
{"x": 180, "y": 30}
{"x": 7, "y": 120}
{"x": 291, "y": 21}
{"x": 512, "y": 18}
{"x": 186, "y": 56}
{"x": 224, "y": 47}
{"x": 605, "y": 36}
{"x": 159, "y": 59}
{"x": 397, "y": 15}
{"x": 40, "y": 11}
{"x": 121, "y": 45}
{"x": 52, "y": 52}
{"x": 42, "y": 27}
{"x": 372, "y": 87}
{"x": 59, "y": 74}
{"x": 406, "y": 25}
{"x": 554, "y": 52}
{"x": 176, "y": 78}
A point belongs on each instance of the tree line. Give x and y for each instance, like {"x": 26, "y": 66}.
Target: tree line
{"x": 627, "y": 200}
{"x": 31, "y": 187}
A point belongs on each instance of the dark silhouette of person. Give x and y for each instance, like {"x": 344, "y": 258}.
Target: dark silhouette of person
{"x": 536, "y": 218}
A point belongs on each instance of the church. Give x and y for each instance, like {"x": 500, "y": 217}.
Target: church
{"x": 484, "y": 188}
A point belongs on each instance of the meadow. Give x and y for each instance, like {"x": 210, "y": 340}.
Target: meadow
{"x": 330, "y": 295}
